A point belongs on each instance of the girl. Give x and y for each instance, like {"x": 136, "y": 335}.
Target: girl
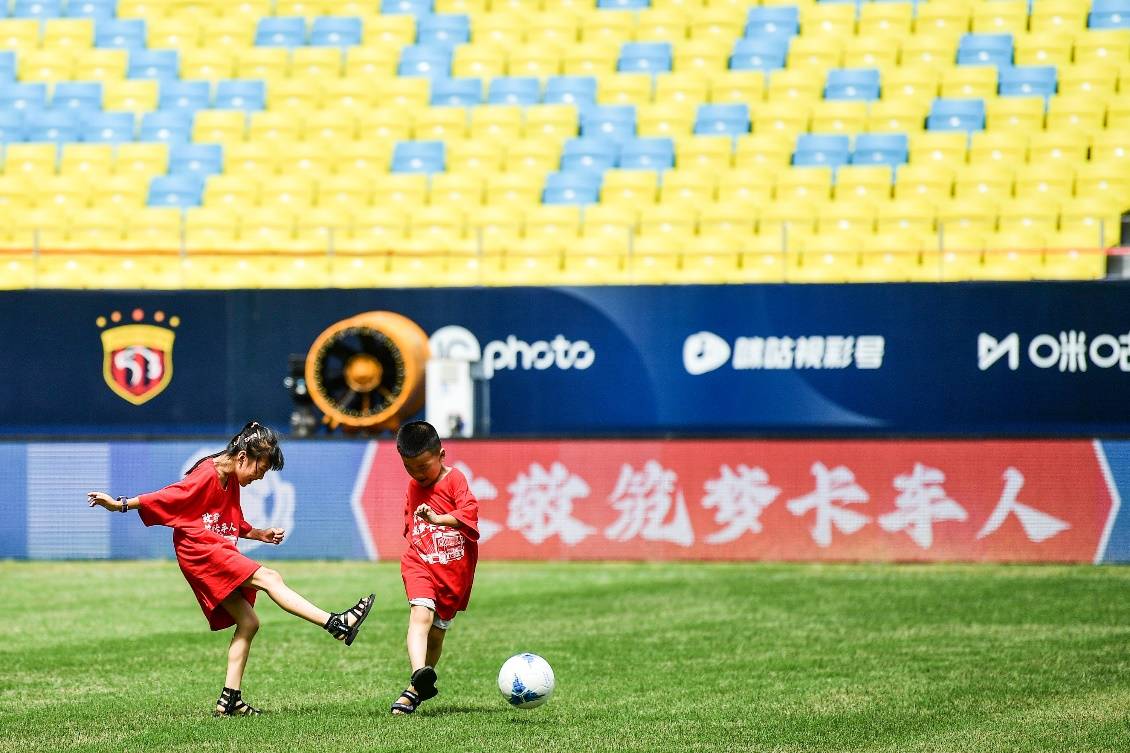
{"x": 203, "y": 511}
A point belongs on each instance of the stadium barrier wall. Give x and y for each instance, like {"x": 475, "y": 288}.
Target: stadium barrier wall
{"x": 1018, "y": 359}
{"x": 880, "y": 500}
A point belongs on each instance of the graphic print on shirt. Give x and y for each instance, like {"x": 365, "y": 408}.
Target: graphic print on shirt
{"x": 437, "y": 545}
{"x": 212, "y": 523}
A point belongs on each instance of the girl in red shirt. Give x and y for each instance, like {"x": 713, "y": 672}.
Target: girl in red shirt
{"x": 441, "y": 523}
{"x": 203, "y": 511}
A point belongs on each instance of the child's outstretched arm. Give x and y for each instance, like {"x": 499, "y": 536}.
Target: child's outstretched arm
{"x": 427, "y": 514}
{"x": 102, "y": 499}
{"x": 266, "y": 535}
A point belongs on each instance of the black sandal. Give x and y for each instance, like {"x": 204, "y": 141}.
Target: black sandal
{"x": 424, "y": 681}
{"x": 414, "y": 700}
{"x": 339, "y": 627}
{"x": 233, "y": 704}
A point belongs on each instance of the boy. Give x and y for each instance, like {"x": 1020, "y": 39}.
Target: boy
{"x": 441, "y": 524}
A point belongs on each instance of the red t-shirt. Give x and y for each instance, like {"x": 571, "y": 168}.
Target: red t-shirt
{"x": 439, "y": 562}
{"x": 206, "y": 520}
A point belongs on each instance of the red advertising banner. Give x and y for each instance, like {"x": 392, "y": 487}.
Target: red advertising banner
{"x": 766, "y": 500}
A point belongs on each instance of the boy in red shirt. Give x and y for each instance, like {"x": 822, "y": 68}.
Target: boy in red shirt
{"x": 441, "y": 524}
{"x": 203, "y": 511}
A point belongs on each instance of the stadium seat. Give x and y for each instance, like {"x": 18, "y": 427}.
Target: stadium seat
{"x": 647, "y": 154}
{"x": 588, "y": 153}
{"x": 818, "y": 149}
{"x": 1027, "y": 81}
{"x": 727, "y": 119}
{"x": 956, "y": 115}
{"x": 645, "y": 57}
{"x": 515, "y": 90}
{"x": 1109, "y": 14}
{"x": 571, "y": 187}
{"x": 857, "y": 83}
{"x": 572, "y": 90}
{"x": 759, "y": 53}
{"x": 880, "y": 149}
{"x": 985, "y": 49}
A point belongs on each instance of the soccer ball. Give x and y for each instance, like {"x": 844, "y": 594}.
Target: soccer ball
{"x": 526, "y": 680}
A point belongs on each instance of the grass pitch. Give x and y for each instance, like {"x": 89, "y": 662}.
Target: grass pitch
{"x": 649, "y": 657}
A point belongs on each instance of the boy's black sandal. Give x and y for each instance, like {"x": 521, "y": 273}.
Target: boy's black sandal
{"x": 407, "y": 708}
{"x": 232, "y": 702}
{"x": 339, "y": 627}
{"x": 424, "y": 681}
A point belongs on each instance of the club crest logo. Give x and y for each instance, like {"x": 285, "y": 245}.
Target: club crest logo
{"x": 137, "y": 358}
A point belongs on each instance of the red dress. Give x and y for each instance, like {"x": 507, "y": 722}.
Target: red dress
{"x": 206, "y": 520}
{"x": 439, "y": 563}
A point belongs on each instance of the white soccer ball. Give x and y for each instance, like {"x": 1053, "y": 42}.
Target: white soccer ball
{"x": 526, "y": 680}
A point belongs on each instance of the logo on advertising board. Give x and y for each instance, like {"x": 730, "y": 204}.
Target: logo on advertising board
{"x": 704, "y": 352}
{"x": 512, "y": 353}
{"x": 137, "y": 358}
{"x": 1068, "y": 350}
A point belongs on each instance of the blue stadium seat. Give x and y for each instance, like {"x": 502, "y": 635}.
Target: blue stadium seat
{"x": 40, "y": 9}
{"x": 26, "y": 97}
{"x": 985, "y": 49}
{"x": 447, "y": 29}
{"x": 336, "y": 31}
{"x": 821, "y": 149}
{"x": 773, "y": 20}
{"x": 415, "y": 7}
{"x": 852, "y": 84}
{"x": 108, "y": 128}
{"x": 880, "y": 149}
{"x": 7, "y": 67}
{"x": 199, "y": 160}
{"x": 591, "y": 154}
{"x": 176, "y": 191}
{"x": 759, "y": 53}
{"x": 240, "y": 95}
{"x": 1109, "y": 14}
{"x": 96, "y": 9}
{"x": 156, "y": 64}
{"x": 425, "y": 60}
{"x": 609, "y": 121}
{"x": 722, "y": 120}
{"x": 184, "y": 95}
{"x": 73, "y": 95}
{"x": 51, "y": 125}
{"x": 514, "y": 90}
{"x": 572, "y": 187}
{"x": 645, "y": 57}
{"x": 1027, "y": 81}
{"x": 289, "y": 31}
{"x": 120, "y": 33}
{"x": 170, "y": 126}
{"x": 418, "y": 157}
{"x": 647, "y": 154}
{"x": 573, "y": 90}
{"x": 11, "y": 126}
{"x": 457, "y": 92}
{"x": 623, "y": 4}
{"x": 956, "y": 115}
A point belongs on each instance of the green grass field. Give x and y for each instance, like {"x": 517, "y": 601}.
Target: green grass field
{"x": 649, "y": 657}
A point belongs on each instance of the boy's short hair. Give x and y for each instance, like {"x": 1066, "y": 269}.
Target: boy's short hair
{"x": 417, "y": 437}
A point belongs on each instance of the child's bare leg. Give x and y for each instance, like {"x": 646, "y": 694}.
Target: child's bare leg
{"x": 435, "y": 645}
{"x": 419, "y": 627}
{"x": 266, "y": 579}
{"x": 246, "y": 625}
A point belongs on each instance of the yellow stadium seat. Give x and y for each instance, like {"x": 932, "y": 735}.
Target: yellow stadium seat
{"x": 387, "y": 30}
{"x": 838, "y": 117}
{"x": 1014, "y": 114}
{"x": 388, "y": 123}
{"x": 809, "y": 52}
{"x": 969, "y": 81}
{"x": 516, "y": 189}
{"x": 551, "y": 121}
{"x": 460, "y": 6}
{"x": 787, "y": 219}
{"x": 400, "y": 189}
{"x": 873, "y": 182}
{"x": 533, "y": 60}
{"x": 985, "y": 181}
{"x": 930, "y": 180}
{"x": 321, "y": 228}
{"x": 440, "y": 123}
{"x": 32, "y": 160}
{"x": 1043, "y": 48}
{"x": 785, "y": 117}
{"x": 976, "y": 215}
{"x": 494, "y": 227}
{"x": 287, "y": 193}
{"x": 66, "y": 271}
{"x": 681, "y": 88}
{"x": 269, "y": 127}
{"x": 307, "y": 8}
{"x": 15, "y": 194}
{"x": 734, "y": 86}
{"x": 720, "y": 23}
{"x": 95, "y": 229}
{"x": 108, "y": 66}
{"x": 344, "y": 192}
{"x": 358, "y": 269}
{"x": 624, "y": 88}
{"x": 669, "y": 119}
{"x": 727, "y": 218}
{"x": 20, "y": 34}
{"x": 749, "y": 185}
{"x": 367, "y": 63}
{"x": 831, "y": 258}
{"x": 376, "y": 227}
{"x": 590, "y": 58}
{"x": 929, "y": 48}
{"x": 206, "y": 63}
{"x": 1001, "y": 17}
{"x": 330, "y": 126}
{"x": 906, "y": 216}
{"x": 74, "y": 33}
{"x": 1073, "y": 256}
{"x": 1098, "y": 180}
{"x": 1062, "y": 145}
{"x": 262, "y": 62}
{"x": 805, "y": 183}
{"x": 530, "y": 155}
{"x": 596, "y": 267}
{"x": 998, "y": 148}
{"x": 45, "y": 65}
{"x": 503, "y": 29}
{"x": 235, "y": 32}
{"x": 1075, "y": 112}
{"x": 1034, "y": 214}
{"x": 846, "y": 216}
{"x": 688, "y": 185}
{"x": 1112, "y": 145}
{"x": 232, "y": 191}
{"x": 891, "y": 20}
{"x": 478, "y": 61}
{"x": 219, "y": 126}
{"x": 661, "y": 25}
{"x": 827, "y": 20}
{"x": 794, "y": 86}
{"x": 171, "y": 33}
{"x": 918, "y": 83}
{"x": 1102, "y": 46}
{"x": 1117, "y": 116}
{"x": 88, "y": 160}
{"x": 1046, "y": 181}
{"x": 711, "y": 259}
{"x": 17, "y": 268}
{"x": 616, "y": 221}
{"x": 266, "y": 229}
{"x": 456, "y": 190}
{"x": 556, "y": 221}
{"x": 560, "y": 29}
{"x": 1058, "y": 15}
{"x": 700, "y": 55}
{"x": 612, "y": 26}
{"x": 704, "y": 152}
{"x": 124, "y": 192}
{"x": 407, "y": 91}
{"x": 298, "y": 95}
{"x": 532, "y": 262}
{"x": 154, "y": 229}
{"x": 934, "y": 146}
{"x": 630, "y": 187}
{"x": 668, "y": 221}
{"x": 891, "y": 257}
{"x": 210, "y": 229}
{"x": 1088, "y": 79}
{"x": 950, "y": 18}
{"x": 256, "y": 158}
{"x": 870, "y": 51}
{"x": 896, "y": 116}
{"x": 315, "y": 62}
{"x": 1013, "y": 255}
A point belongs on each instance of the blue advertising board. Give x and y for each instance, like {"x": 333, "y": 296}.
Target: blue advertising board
{"x": 1029, "y": 358}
